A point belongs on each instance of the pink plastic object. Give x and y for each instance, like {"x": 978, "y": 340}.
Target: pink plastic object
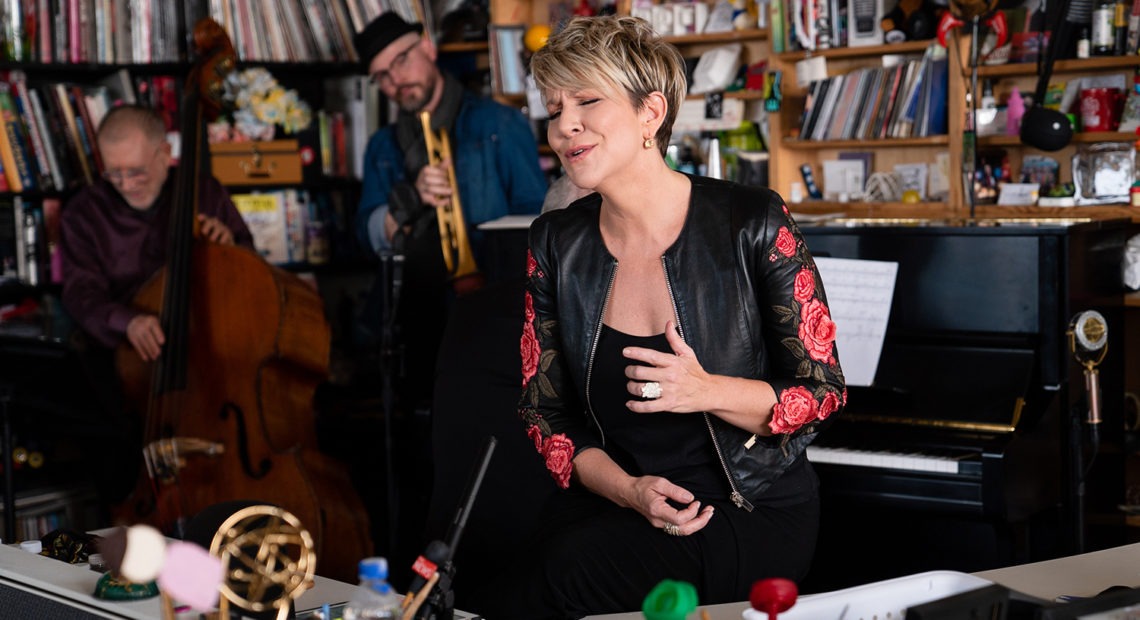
{"x": 191, "y": 575}
{"x": 773, "y": 595}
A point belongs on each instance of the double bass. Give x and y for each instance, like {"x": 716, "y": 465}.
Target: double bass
{"x": 228, "y": 405}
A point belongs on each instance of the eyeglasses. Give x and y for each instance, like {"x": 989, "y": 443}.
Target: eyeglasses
{"x": 122, "y": 175}
{"x": 118, "y": 177}
{"x": 384, "y": 76}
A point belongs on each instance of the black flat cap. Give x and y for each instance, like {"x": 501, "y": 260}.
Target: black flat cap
{"x": 379, "y": 34}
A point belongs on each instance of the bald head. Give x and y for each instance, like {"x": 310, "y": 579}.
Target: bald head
{"x": 125, "y": 121}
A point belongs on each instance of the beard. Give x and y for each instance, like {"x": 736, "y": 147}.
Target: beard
{"x": 414, "y": 97}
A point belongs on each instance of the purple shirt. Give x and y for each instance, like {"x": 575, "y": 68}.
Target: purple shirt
{"x": 109, "y": 249}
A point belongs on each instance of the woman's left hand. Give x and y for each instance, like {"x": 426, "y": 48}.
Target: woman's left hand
{"x": 682, "y": 381}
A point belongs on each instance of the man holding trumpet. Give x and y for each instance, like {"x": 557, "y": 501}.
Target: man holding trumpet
{"x": 409, "y": 196}
{"x": 495, "y": 154}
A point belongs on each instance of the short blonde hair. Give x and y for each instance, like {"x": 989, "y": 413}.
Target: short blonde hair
{"x": 614, "y": 54}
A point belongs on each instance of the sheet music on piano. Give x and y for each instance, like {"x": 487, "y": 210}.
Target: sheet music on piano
{"x": 859, "y": 294}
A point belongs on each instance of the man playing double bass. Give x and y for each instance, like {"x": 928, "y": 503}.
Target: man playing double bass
{"x": 113, "y": 238}
{"x": 114, "y": 233}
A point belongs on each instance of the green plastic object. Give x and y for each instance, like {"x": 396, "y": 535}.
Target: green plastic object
{"x": 670, "y": 600}
{"x": 116, "y": 589}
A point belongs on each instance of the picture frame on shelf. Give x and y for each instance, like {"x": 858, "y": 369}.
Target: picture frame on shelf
{"x": 509, "y": 60}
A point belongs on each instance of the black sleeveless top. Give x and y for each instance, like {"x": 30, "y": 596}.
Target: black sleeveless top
{"x": 675, "y": 446}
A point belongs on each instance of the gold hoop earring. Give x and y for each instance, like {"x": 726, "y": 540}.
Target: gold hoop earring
{"x": 649, "y": 143}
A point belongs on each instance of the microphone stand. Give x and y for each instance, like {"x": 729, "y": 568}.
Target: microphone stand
{"x": 440, "y": 603}
{"x": 391, "y": 276}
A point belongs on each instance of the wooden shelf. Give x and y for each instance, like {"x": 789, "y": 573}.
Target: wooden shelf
{"x": 1078, "y": 138}
{"x": 1073, "y": 65}
{"x": 754, "y": 34}
{"x": 906, "y": 47}
{"x": 816, "y": 145}
{"x": 942, "y": 210}
{"x": 876, "y": 210}
{"x": 463, "y": 47}
{"x": 736, "y": 94}
{"x": 1132, "y": 300}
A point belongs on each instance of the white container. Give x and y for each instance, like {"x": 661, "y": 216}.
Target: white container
{"x": 879, "y": 600}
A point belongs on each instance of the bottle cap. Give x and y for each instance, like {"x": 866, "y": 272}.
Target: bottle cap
{"x": 373, "y": 568}
{"x": 670, "y": 600}
{"x": 32, "y": 546}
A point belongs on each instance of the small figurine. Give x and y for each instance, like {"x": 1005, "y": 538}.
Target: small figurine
{"x": 1014, "y": 110}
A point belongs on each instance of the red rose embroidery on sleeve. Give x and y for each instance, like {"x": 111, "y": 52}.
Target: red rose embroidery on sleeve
{"x": 817, "y": 331}
{"x": 528, "y": 347}
{"x": 531, "y": 265}
{"x": 829, "y": 405}
{"x": 558, "y": 451}
{"x": 804, "y": 288}
{"x": 535, "y": 434}
{"x": 785, "y": 242}
{"x": 528, "y": 312}
{"x": 796, "y": 407}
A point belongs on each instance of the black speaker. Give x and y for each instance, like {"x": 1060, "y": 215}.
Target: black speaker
{"x": 1046, "y": 129}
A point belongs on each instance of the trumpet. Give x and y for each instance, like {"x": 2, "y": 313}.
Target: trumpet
{"x": 457, "y": 254}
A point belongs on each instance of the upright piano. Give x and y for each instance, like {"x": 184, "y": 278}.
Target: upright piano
{"x": 958, "y": 455}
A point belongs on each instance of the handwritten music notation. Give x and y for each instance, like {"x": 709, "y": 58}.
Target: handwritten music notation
{"x": 859, "y": 294}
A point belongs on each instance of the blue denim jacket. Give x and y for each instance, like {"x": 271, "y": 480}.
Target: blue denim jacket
{"x": 496, "y": 167}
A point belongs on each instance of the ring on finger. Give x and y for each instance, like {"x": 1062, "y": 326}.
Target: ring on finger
{"x": 671, "y": 529}
{"x": 651, "y": 390}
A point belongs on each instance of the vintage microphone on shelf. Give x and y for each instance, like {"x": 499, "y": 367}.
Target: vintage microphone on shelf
{"x": 1049, "y": 130}
{"x": 1088, "y": 342}
{"x": 429, "y": 595}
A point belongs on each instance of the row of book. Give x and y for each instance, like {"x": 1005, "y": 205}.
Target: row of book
{"x": 29, "y": 240}
{"x": 301, "y": 30}
{"x": 149, "y": 31}
{"x": 47, "y": 131}
{"x": 97, "y": 31}
{"x": 350, "y": 116}
{"x": 42, "y": 511}
{"x": 298, "y": 227}
{"x": 905, "y": 100}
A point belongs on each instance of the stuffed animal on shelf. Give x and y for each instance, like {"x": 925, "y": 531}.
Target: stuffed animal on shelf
{"x": 910, "y": 20}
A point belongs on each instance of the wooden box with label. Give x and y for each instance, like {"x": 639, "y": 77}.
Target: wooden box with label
{"x": 272, "y": 162}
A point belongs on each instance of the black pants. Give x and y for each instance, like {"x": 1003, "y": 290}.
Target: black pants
{"x": 591, "y": 556}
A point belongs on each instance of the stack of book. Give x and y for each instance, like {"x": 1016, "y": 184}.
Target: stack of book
{"x": 905, "y": 100}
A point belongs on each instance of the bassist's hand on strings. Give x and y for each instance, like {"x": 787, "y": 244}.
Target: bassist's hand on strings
{"x": 145, "y": 334}
{"x": 214, "y": 230}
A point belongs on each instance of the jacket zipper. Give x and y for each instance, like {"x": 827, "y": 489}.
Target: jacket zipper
{"x": 594, "y": 350}
{"x": 737, "y": 499}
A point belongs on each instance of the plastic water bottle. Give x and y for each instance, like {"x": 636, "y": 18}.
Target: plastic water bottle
{"x": 375, "y": 599}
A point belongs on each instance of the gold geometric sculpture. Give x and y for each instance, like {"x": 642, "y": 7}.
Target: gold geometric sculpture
{"x": 269, "y": 560}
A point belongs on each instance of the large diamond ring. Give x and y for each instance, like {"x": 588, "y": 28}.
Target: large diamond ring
{"x": 672, "y": 529}
{"x": 651, "y": 390}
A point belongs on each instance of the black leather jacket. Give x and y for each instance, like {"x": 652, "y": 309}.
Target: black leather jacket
{"x": 747, "y": 299}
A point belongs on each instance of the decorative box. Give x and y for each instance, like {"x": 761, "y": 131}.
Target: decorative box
{"x": 272, "y": 162}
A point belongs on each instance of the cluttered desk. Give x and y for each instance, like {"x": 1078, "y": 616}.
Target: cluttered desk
{"x": 1055, "y": 589}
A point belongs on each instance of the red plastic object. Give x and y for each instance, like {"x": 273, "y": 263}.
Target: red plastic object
{"x": 773, "y": 595}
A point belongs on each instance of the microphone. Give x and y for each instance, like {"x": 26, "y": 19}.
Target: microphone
{"x": 429, "y": 595}
{"x": 427, "y": 564}
{"x": 1088, "y": 340}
